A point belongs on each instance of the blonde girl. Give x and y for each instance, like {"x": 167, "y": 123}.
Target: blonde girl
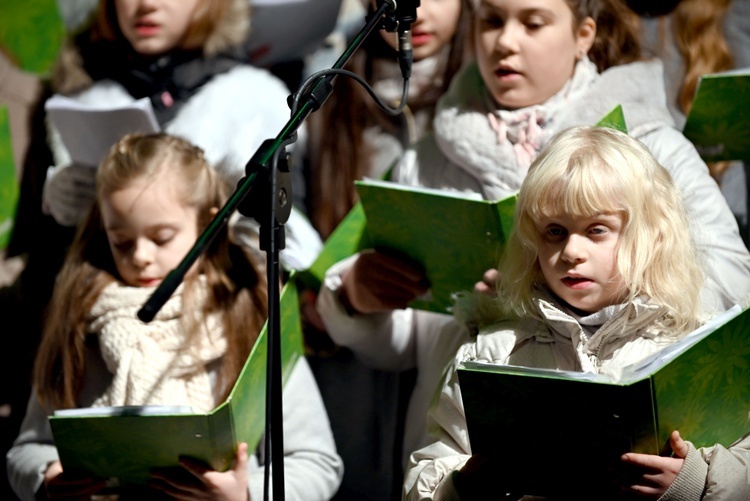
{"x": 610, "y": 275}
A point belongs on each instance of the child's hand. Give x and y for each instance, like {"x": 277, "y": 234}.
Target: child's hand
{"x": 377, "y": 283}
{"x": 488, "y": 284}
{"x": 656, "y": 473}
{"x": 59, "y": 485}
{"x": 68, "y": 192}
{"x": 205, "y": 483}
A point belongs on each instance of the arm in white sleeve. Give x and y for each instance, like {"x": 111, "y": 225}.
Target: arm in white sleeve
{"x": 714, "y": 228}
{"x": 384, "y": 341}
{"x": 713, "y": 473}
{"x": 32, "y": 452}
{"x": 430, "y": 471}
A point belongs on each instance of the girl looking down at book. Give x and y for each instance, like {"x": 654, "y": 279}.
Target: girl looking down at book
{"x": 155, "y": 194}
{"x": 599, "y": 272}
{"x": 541, "y": 66}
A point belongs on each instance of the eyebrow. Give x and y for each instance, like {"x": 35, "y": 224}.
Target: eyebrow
{"x": 158, "y": 226}
{"x": 524, "y": 11}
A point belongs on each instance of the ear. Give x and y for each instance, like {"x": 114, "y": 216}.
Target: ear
{"x": 585, "y": 35}
{"x": 213, "y": 211}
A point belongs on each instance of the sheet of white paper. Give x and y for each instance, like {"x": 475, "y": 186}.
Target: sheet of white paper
{"x": 89, "y": 132}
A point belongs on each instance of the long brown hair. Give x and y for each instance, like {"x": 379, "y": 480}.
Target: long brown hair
{"x": 339, "y": 154}
{"x": 236, "y": 283}
{"x": 617, "y": 39}
{"x": 699, "y": 36}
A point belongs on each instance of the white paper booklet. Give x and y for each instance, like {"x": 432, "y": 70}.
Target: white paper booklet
{"x": 88, "y": 132}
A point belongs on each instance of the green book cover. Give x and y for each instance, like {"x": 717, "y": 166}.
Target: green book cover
{"x": 126, "y": 446}
{"x": 9, "y": 190}
{"x": 697, "y": 385}
{"x": 718, "y": 123}
{"x": 453, "y": 237}
{"x": 348, "y": 238}
{"x": 615, "y": 119}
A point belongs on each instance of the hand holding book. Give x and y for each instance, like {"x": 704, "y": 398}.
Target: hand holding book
{"x": 378, "y": 282}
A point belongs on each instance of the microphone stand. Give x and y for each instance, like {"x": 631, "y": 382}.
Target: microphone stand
{"x": 268, "y": 180}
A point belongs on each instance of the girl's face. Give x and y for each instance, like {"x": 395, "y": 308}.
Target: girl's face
{"x": 527, "y": 49}
{"x": 434, "y": 28}
{"x": 578, "y": 258}
{"x": 154, "y": 27}
{"x": 149, "y": 228}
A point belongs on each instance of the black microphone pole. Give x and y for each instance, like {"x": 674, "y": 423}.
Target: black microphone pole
{"x": 267, "y": 178}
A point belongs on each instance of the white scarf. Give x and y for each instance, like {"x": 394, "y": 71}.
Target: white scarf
{"x": 497, "y": 145}
{"x": 152, "y": 363}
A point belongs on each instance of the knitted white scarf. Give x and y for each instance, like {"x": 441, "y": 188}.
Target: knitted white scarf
{"x": 476, "y": 135}
{"x": 153, "y": 363}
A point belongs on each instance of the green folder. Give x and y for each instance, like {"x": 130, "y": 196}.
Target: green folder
{"x": 556, "y": 423}
{"x": 125, "y": 447}
{"x": 455, "y": 238}
{"x": 718, "y": 123}
{"x": 348, "y": 238}
{"x": 615, "y": 119}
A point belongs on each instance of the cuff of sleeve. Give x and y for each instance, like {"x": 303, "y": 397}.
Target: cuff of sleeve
{"x": 346, "y": 328}
{"x": 691, "y": 481}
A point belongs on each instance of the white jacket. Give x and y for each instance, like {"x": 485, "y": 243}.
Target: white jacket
{"x": 557, "y": 339}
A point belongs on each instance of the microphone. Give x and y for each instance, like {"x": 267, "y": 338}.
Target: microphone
{"x": 406, "y": 13}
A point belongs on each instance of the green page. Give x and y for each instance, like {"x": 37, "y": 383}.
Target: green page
{"x": 9, "y": 189}
{"x": 455, "y": 238}
{"x": 126, "y": 447}
{"x": 348, "y": 238}
{"x": 558, "y": 421}
{"x": 718, "y": 123}
{"x": 614, "y": 119}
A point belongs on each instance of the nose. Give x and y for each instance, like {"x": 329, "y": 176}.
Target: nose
{"x": 507, "y": 39}
{"x": 146, "y": 6}
{"x": 574, "y": 250}
{"x": 422, "y": 12}
{"x": 143, "y": 253}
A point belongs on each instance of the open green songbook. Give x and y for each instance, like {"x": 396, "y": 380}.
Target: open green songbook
{"x": 125, "y": 443}
{"x": 557, "y": 422}
{"x": 454, "y": 237}
{"x": 718, "y": 123}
